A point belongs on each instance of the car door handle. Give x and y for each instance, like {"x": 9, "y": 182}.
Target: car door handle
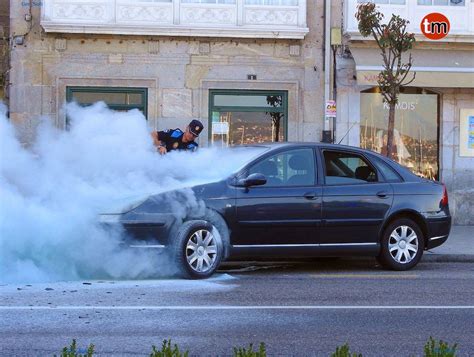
{"x": 310, "y": 196}
{"x": 382, "y": 194}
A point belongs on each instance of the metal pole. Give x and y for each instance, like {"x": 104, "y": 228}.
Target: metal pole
{"x": 327, "y": 60}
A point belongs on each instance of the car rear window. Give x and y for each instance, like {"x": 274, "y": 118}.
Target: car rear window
{"x": 389, "y": 173}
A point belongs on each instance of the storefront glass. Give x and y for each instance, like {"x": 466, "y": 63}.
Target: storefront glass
{"x": 247, "y": 117}
{"x": 416, "y": 129}
{"x": 120, "y": 99}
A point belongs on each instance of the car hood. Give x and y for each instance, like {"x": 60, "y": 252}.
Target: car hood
{"x": 124, "y": 204}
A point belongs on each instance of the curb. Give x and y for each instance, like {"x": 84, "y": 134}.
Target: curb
{"x": 448, "y": 258}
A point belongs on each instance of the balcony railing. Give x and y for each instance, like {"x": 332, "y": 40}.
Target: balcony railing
{"x": 210, "y": 18}
{"x": 459, "y": 13}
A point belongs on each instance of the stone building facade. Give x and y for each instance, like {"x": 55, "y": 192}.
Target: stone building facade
{"x": 69, "y": 47}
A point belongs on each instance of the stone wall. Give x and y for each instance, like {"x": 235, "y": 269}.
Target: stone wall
{"x": 4, "y": 35}
{"x": 177, "y": 72}
{"x": 457, "y": 171}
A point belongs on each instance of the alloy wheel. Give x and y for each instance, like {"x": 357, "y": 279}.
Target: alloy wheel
{"x": 403, "y": 244}
{"x": 201, "y": 251}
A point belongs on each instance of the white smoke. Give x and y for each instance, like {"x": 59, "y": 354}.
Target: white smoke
{"x": 52, "y": 193}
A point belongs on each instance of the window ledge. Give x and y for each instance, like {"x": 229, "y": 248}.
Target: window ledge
{"x": 247, "y": 32}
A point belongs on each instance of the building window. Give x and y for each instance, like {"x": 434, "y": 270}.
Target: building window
{"x": 416, "y": 134}
{"x": 442, "y": 2}
{"x": 247, "y": 117}
{"x": 152, "y": 1}
{"x": 121, "y": 99}
{"x": 208, "y": 1}
{"x": 384, "y": 2}
{"x": 272, "y": 2}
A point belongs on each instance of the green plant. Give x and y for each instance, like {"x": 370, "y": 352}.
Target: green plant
{"x": 343, "y": 351}
{"x": 71, "y": 351}
{"x": 439, "y": 349}
{"x": 167, "y": 351}
{"x": 243, "y": 352}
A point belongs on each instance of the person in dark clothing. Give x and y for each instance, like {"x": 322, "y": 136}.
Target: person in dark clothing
{"x": 176, "y": 139}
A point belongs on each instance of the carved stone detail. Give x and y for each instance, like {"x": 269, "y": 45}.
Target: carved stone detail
{"x": 154, "y": 47}
{"x": 79, "y": 11}
{"x": 159, "y": 14}
{"x": 295, "y": 50}
{"x": 116, "y": 58}
{"x": 271, "y": 17}
{"x": 60, "y": 44}
{"x": 197, "y": 15}
{"x": 204, "y": 47}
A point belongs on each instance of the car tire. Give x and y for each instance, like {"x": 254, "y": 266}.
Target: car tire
{"x": 219, "y": 223}
{"x": 402, "y": 245}
{"x": 197, "y": 249}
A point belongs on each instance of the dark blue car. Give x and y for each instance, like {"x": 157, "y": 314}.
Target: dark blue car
{"x": 297, "y": 200}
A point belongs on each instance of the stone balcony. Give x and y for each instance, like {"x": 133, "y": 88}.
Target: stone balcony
{"x": 196, "y": 18}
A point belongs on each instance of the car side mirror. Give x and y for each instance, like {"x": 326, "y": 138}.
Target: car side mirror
{"x": 252, "y": 180}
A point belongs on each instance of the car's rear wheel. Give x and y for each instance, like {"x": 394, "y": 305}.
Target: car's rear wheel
{"x": 197, "y": 249}
{"x": 402, "y": 245}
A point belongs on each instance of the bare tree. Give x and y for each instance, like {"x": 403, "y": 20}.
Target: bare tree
{"x": 275, "y": 101}
{"x": 393, "y": 40}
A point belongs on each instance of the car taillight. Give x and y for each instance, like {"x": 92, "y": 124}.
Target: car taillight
{"x": 444, "y": 201}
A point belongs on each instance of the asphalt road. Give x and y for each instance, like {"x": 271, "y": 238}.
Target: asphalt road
{"x": 296, "y": 309}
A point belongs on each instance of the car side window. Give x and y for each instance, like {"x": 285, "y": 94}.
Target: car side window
{"x": 389, "y": 173}
{"x": 289, "y": 168}
{"x": 347, "y": 168}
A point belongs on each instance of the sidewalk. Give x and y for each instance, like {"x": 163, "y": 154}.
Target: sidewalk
{"x": 458, "y": 248}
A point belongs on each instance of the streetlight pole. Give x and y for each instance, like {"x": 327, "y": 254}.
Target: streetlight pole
{"x": 327, "y": 134}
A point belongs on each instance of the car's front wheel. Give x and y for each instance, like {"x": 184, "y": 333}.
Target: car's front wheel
{"x": 402, "y": 245}
{"x": 197, "y": 249}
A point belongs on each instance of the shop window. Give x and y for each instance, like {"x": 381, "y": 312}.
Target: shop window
{"x": 416, "y": 134}
{"x": 121, "y": 99}
{"x": 442, "y": 2}
{"x": 208, "y": 1}
{"x": 272, "y": 2}
{"x": 247, "y": 117}
{"x": 152, "y": 1}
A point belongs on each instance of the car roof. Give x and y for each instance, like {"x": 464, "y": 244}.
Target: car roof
{"x": 272, "y": 146}
{"x": 278, "y": 145}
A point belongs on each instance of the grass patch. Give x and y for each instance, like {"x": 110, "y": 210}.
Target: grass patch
{"x": 344, "y": 351}
{"x": 249, "y": 352}
{"x": 71, "y": 351}
{"x": 168, "y": 351}
{"x": 439, "y": 349}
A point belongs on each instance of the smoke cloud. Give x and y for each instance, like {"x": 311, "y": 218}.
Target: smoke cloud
{"x": 52, "y": 192}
